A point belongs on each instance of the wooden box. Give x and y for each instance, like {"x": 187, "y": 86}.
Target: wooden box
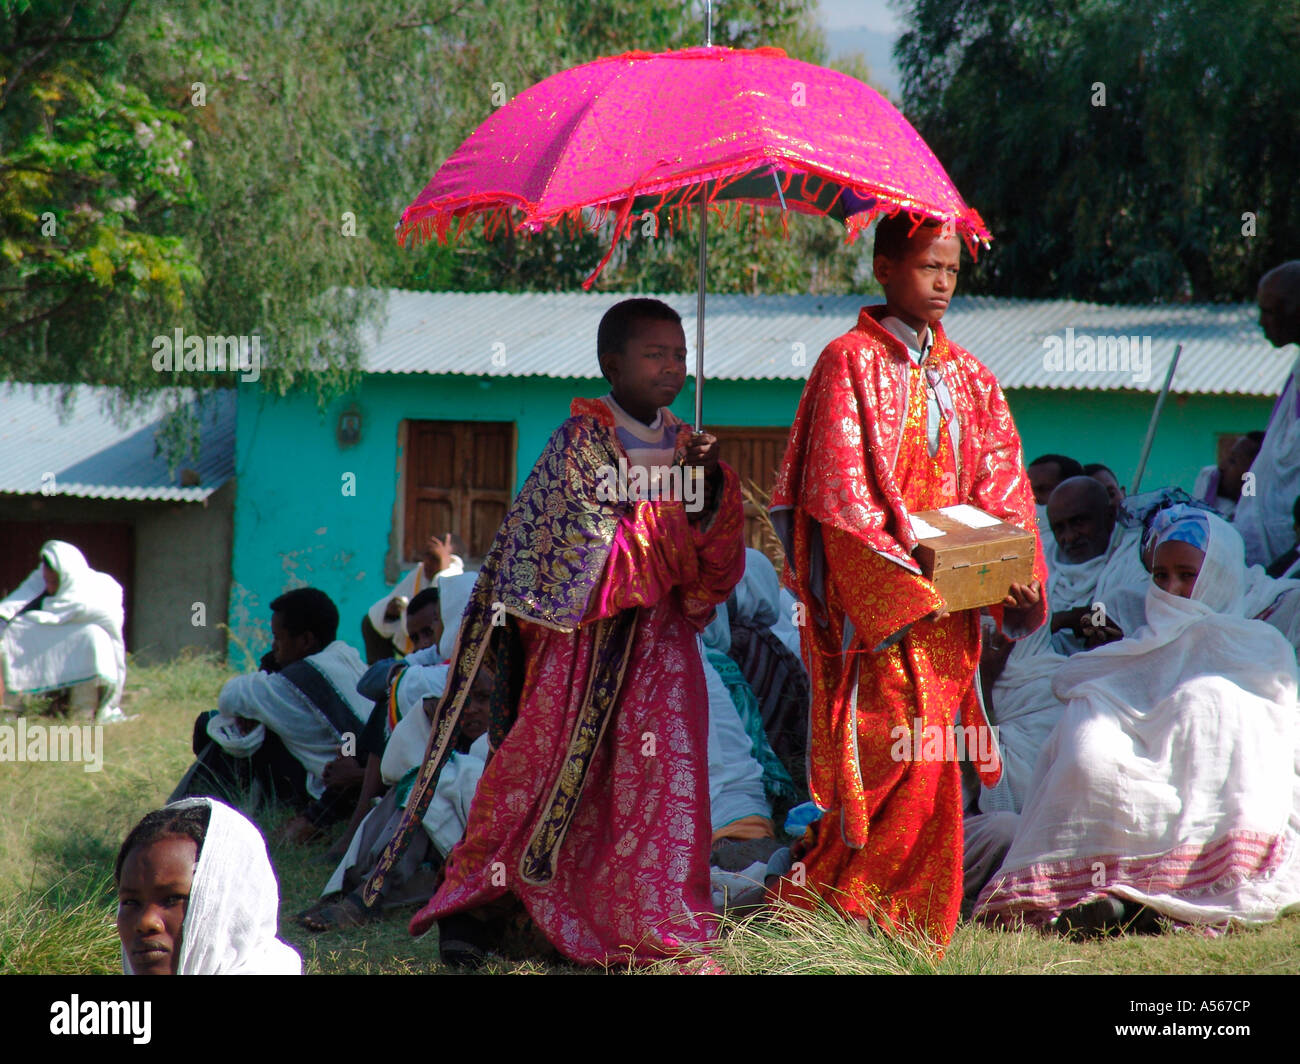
{"x": 970, "y": 556}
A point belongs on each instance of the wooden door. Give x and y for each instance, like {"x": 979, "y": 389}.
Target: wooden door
{"x": 459, "y": 477}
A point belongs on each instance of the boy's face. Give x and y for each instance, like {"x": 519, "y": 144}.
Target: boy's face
{"x": 1176, "y": 567}
{"x": 477, "y": 714}
{"x": 919, "y": 285}
{"x": 153, "y": 894}
{"x": 425, "y": 626}
{"x": 651, "y": 370}
{"x": 287, "y": 647}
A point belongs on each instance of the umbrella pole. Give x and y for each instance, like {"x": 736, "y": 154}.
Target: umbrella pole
{"x": 699, "y": 310}
{"x": 1155, "y": 418}
{"x": 704, "y": 262}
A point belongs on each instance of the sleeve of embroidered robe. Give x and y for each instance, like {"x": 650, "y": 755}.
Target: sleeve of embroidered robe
{"x": 881, "y": 598}
{"x": 657, "y": 548}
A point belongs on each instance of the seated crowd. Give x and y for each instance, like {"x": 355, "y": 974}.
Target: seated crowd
{"x": 1147, "y": 734}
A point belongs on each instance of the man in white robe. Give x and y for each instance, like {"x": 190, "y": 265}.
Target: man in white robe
{"x": 384, "y": 627}
{"x": 1264, "y": 517}
{"x": 293, "y": 718}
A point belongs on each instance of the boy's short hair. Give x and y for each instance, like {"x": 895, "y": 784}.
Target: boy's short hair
{"x": 308, "y": 609}
{"x": 1256, "y": 436}
{"x": 427, "y": 597}
{"x": 190, "y": 823}
{"x": 616, "y": 326}
{"x": 894, "y": 233}
{"x": 1093, "y": 468}
{"x": 1069, "y": 467}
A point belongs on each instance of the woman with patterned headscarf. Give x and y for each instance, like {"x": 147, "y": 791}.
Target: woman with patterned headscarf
{"x": 1171, "y": 786}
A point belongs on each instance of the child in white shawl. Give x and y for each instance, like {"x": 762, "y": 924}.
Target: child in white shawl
{"x": 197, "y": 896}
{"x": 1171, "y": 784}
{"x": 61, "y": 630}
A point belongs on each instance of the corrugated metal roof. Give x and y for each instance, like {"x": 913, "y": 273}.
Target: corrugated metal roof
{"x": 92, "y": 456}
{"x": 766, "y": 337}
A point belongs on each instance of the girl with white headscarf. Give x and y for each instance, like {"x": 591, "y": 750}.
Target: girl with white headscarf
{"x": 214, "y": 916}
{"x": 1172, "y": 780}
{"x": 69, "y": 638}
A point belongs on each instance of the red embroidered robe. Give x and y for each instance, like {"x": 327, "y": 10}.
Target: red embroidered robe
{"x": 889, "y": 847}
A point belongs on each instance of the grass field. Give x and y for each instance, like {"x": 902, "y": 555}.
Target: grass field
{"x": 61, "y": 827}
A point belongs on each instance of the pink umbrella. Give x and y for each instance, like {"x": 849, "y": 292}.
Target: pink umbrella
{"x": 663, "y": 132}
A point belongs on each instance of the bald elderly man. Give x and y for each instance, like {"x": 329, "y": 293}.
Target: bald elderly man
{"x": 1264, "y": 518}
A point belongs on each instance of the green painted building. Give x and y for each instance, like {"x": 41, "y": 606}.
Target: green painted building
{"x": 461, "y": 392}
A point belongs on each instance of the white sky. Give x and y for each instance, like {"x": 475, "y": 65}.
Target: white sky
{"x": 849, "y": 14}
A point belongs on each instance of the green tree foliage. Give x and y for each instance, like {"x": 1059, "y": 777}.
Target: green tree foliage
{"x": 1120, "y": 150}
{"x": 235, "y": 169}
{"x": 92, "y": 171}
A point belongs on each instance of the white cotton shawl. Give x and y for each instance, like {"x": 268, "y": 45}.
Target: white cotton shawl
{"x": 1177, "y": 743}
{"x": 1025, "y": 710}
{"x": 76, "y": 634}
{"x": 232, "y": 915}
{"x": 758, "y": 595}
{"x": 453, "y": 596}
{"x": 277, "y": 703}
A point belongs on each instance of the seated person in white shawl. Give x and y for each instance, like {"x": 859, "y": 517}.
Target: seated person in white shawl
{"x": 412, "y": 879}
{"x": 277, "y": 730}
{"x": 61, "y": 635}
{"x": 384, "y": 627}
{"x": 1171, "y": 784}
{"x": 411, "y": 695}
{"x": 1096, "y": 587}
{"x": 425, "y": 626}
{"x": 196, "y": 895}
{"x": 1046, "y": 472}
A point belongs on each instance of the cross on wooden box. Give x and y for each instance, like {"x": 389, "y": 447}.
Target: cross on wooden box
{"x": 970, "y": 556}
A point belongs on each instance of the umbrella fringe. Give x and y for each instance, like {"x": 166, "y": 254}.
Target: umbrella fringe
{"x": 681, "y": 216}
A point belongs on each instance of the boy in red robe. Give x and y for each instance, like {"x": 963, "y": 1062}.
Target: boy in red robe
{"x": 895, "y": 419}
{"x": 591, "y": 822}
